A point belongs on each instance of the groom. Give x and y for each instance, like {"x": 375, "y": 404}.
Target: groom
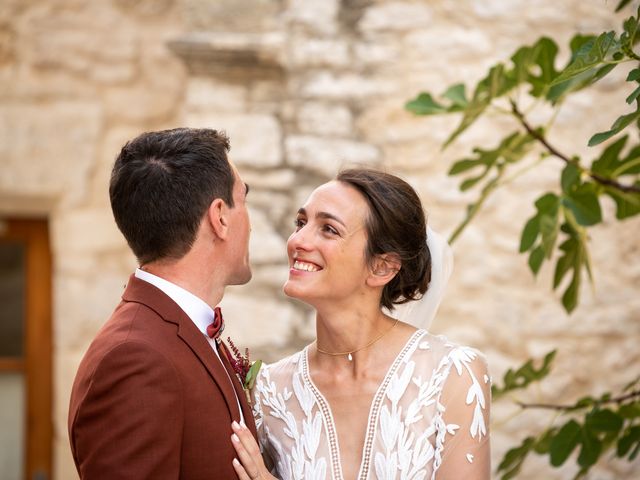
{"x": 155, "y": 394}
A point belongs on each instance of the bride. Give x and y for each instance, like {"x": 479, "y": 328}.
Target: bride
{"x": 372, "y": 397}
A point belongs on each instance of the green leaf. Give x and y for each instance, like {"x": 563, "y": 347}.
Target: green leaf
{"x": 584, "y": 402}
{"x": 630, "y": 410}
{"x": 620, "y": 124}
{"x": 494, "y": 85}
{"x": 570, "y": 178}
{"x": 536, "y": 258}
{"x": 622, "y": 4}
{"x": 609, "y": 160}
{"x": 470, "y": 182}
{"x": 549, "y": 229}
{"x": 565, "y": 442}
{"x": 591, "y": 54}
{"x": 580, "y": 81}
{"x": 634, "y": 75}
{"x": 523, "y": 376}
{"x": 252, "y": 374}
{"x": 627, "y": 440}
{"x": 463, "y": 165}
{"x": 627, "y": 204}
{"x": 541, "y": 55}
{"x": 591, "y": 449}
{"x": 424, "y": 104}
{"x": 583, "y": 203}
{"x": 543, "y": 443}
{"x": 514, "y": 458}
{"x": 634, "y": 96}
{"x": 530, "y": 233}
{"x": 604, "y": 421}
{"x": 456, "y": 93}
{"x": 566, "y": 261}
{"x": 548, "y": 203}
{"x": 570, "y": 296}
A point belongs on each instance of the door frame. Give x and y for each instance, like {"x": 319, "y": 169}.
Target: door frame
{"x": 36, "y": 365}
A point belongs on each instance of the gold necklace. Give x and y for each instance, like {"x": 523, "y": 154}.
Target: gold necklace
{"x": 349, "y": 353}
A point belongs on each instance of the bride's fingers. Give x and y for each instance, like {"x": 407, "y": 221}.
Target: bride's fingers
{"x": 242, "y": 473}
{"x": 247, "y": 440}
{"x": 248, "y": 464}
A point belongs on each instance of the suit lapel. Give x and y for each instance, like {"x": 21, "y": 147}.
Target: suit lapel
{"x": 143, "y": 292}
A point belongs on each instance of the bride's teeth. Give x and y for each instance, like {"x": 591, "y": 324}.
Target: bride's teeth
{"x": 307, "y": 267}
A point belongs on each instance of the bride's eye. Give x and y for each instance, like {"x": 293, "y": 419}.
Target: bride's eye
{"x": 329, "y": 229}
{"x": 299, "y": 223}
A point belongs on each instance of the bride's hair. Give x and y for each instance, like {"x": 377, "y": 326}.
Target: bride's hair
{"x": 396, "y": 224}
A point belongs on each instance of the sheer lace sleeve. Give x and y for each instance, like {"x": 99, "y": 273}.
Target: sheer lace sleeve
{"x": 466, "y": 398}
{"x": 258, "y": 415}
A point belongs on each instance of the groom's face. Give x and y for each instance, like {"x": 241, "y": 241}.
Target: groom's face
{"x": 240, "y": 229}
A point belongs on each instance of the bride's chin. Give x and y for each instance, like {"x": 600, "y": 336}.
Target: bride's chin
{"x": 291, "y": 291}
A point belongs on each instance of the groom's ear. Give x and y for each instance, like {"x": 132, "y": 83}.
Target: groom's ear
{"x": 218, "y": 218}
{"x": 383, "y": 268}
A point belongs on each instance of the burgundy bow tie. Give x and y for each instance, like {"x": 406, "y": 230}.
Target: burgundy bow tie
{"x": 215, "y": 329}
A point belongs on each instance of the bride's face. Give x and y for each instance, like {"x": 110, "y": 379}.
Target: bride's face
{"x": 327, "y": 249}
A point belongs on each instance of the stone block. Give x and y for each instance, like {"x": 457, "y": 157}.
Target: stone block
{"x": 82, "y": 303}
{"x": 94, "y": 43}
{"x": 446, "y": 40}
{"x": 270, "y": 276}
{"x": 207, "y": 94}
{"x": 317, "y": 17}
{"x": 278, "y": 179}
{"x": 326, "y": 156}
{"x": 397, "y": 16}
{"x": 48, "y": 151}
{"x": 344, "y": 86}
{"x": 374, "y": 52}
{"x": 265, "y": 245}
{"x": 156, "y": 96}
{"x": 257, "y": 320}
{"x": 310, "y": 52}
{"x": 89, "y": 230}
{"x": 255, "y": 138}
{"x": 320, "y": 118}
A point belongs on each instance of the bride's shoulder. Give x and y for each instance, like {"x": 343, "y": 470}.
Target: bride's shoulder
{"x": 443, "y": 347}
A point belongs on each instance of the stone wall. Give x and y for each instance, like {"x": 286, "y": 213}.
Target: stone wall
{"x": 302, "y": 88}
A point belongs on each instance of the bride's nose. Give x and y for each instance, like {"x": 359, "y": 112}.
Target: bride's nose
{"x": 300, "y": 239}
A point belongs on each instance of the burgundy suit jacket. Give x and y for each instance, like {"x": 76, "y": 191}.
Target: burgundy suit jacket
{"x": 151, "y": 400}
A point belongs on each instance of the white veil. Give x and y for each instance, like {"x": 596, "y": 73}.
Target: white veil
{"x": 420, "y": 313}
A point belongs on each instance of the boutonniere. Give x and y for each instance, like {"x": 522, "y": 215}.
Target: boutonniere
{"x": 246, "y": 370}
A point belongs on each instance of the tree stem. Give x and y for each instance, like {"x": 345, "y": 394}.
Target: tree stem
{"x": 555, "y": 152}
{"x": 551, "y": 406}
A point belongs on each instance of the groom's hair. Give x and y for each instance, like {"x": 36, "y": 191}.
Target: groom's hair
{"x": 161, "y": 186}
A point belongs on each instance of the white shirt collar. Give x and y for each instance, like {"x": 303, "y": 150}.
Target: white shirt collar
{"x": 196, "y": 309}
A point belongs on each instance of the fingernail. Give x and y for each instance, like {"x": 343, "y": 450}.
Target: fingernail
{"x": 235, "y": 425}
{"x": 235, "y": 438}
{"x": 243, "y": 425}
{"x": 236, "y": 462}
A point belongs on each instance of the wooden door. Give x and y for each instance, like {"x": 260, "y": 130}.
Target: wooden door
{"x": 25, "y": 350}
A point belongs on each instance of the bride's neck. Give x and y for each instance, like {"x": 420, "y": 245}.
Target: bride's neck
{"x": 342, "y": 331}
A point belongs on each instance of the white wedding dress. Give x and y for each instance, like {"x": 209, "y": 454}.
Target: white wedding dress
{"x": 427, "y": 420}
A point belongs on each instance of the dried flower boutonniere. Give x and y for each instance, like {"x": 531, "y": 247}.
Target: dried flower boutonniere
{"x": 246, "y": 370}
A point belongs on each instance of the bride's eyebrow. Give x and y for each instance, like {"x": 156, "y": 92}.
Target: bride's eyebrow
{"x": 302, "y": 211}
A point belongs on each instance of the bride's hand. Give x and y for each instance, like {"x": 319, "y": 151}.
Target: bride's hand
{"x": 251, "y": 466}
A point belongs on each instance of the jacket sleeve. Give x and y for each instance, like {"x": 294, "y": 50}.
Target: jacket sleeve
{"x": 128, "y": 423}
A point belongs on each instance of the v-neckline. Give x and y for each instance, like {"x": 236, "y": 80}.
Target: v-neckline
{"x": 374, "y": 410}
